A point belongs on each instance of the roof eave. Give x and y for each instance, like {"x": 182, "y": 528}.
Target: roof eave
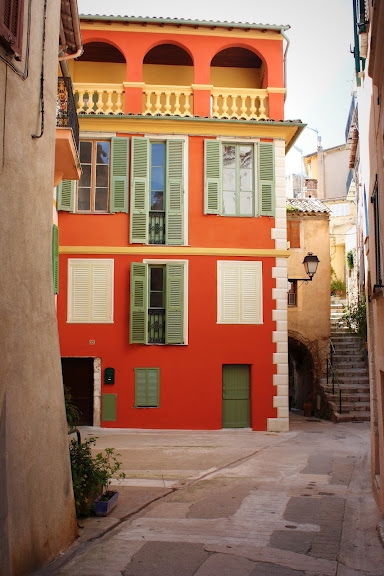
{"x": 183, "y": 22}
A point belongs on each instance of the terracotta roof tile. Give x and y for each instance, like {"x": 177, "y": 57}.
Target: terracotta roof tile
{"x": 308, "y": 205}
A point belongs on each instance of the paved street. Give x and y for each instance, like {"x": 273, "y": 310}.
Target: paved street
{"x": 235, "y": 503}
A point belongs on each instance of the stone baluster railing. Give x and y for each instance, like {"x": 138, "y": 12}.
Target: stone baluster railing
{"x": 99, "y": 98}
{"x": 167, "y": 100}
{"x": 240, "y": 103}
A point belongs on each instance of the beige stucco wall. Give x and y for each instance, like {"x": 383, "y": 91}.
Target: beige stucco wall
{"x": 310, "y": 318}
{"x": 375, "y": 301}
{"x": 37, "y": 518}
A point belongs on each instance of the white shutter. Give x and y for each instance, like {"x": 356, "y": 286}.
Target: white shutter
{"x": 229, "y": 289}
{"x": 102, "y": 310}
{"x": 80, "y": 290}
{"x": 90, "y": 291}
{"x": 251, "y": 293}
{"x": 239, "y": 292}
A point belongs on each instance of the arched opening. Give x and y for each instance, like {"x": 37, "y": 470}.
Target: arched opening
{"x": 168, "y": 64}
{"x": 301, "y": 376}
{"x": 247, "y": 69}
{"x": 238, "y": 76}
{"x": 100, "y": 62}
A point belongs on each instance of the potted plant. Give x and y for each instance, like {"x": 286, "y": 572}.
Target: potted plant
{"x": 337, "y": 287}
{"x": 107, "y": 501}
{"x": 91, "y": 475}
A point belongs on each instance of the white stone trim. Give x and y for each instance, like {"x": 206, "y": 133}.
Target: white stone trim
{"x": 97, "y": 391}
{"x": 278, "y": 424}
{"x": 279, "y": 294}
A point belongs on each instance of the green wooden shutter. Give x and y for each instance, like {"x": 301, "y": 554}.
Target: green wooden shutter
{"x": 174, "y": 229}
{"x": 147, "y": 384}
{"x": 66, "y": 195}
{"x": 139, "y": 191}
{"x": 108, "y": 407}
{"x": 119, "y": 175}
{"x": 55, "y": 258}
{"x": 266, "y": 171}
{"x": 213, "y": 159}
{"x": 139, "y": 307}
{"x": 174, "y": 320}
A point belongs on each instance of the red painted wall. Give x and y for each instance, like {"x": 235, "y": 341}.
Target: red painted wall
{"x": 190, "y": 375}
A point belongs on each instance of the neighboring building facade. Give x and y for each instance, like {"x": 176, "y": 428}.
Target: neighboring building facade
{"x": 37, "y": 513}
{"x": 330, "y": 180}
{"x": 308, "y": 302}
{"x": 172, "y": 305}
{"x": 366, "y": 156}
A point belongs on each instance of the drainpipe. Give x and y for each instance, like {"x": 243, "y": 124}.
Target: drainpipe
{"x": 285, "y": 62}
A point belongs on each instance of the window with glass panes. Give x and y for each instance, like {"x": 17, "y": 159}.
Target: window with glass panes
{"x": 239, "y": 178}
{"x": 93, "y": 186}
{"x": 157, "y": 200}
{"x": 238, "y": 182}
{"x": 156, "y": 309}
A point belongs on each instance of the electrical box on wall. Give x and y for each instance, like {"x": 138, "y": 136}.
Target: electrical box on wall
{"x": 109, "y": 376}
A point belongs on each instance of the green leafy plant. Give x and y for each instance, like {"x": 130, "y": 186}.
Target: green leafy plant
{"x": 337, "y": 285}
{"x": 350, "y": 260}
{"x": 72, "y": 412}
{"x": 91, "y": 475}
{"x": 356, "y": 318}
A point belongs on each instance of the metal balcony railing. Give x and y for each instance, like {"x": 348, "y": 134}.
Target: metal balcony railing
{"x": 156, "y": 228}
{"x": 156, "y": 326}
{"x": 66, "y": 115}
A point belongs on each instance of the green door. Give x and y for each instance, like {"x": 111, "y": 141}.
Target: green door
{"x": 236, "y": 397}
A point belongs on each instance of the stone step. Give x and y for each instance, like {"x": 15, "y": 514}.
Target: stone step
{"x": 357, "y": 398}
{"x": 352, "y": 417}
{"x": 350, "y": 372}
{"x": 345, "y": 392}
{"x": 351, "y": 364}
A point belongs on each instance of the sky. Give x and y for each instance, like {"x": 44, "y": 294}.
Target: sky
{"x": 319, "y": 63}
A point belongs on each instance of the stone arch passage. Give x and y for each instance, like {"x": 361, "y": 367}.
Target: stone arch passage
{"x": 301, "y": 375}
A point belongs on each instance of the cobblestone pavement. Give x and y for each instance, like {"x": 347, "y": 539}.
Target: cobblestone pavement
{"x": 235, "y": 503}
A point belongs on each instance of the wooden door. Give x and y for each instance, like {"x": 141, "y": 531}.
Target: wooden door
{"x": 236, "y": 396}
{"x": 78, "y": 378}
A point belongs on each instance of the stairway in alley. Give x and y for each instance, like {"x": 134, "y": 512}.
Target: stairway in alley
{"x": 350, "y": 369}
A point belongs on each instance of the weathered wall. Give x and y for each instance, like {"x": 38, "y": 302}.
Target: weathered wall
{"x": 310, "y": 317}
{"x": 36, "y": 512}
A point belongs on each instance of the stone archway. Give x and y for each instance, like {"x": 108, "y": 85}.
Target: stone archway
{"x": 302, "y": 380}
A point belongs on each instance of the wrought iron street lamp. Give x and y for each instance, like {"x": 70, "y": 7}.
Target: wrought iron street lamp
{"x": 311, "y": 263}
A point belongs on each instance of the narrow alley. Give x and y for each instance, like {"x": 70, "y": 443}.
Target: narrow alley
{"x": 235, "y": 503}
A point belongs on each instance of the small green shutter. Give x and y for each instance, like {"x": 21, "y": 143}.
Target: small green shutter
{"x": 174, "y": 326}
{"x": 147, "y": 384}
{"x": 119, "y": 175}
{"x": 108, "y": 407}
{"x": 266, "y": 171}
{"x": 66, "y": 195}
{"x": 55, "y": 258}
{"x": 174, "y": 229}
{"x": 138, "y": 305}
{"x": 213, "y": 159}
{"x": 139, "y": 191}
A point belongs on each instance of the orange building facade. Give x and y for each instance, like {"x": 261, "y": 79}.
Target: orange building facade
{"x": 172, "y": 302}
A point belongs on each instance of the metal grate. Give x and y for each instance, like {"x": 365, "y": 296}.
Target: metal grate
{"x": 156, "y": 227}
{"x": 156, "y": 326}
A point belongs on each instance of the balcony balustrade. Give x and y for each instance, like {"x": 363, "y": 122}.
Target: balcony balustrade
{"x": 66, "y": 116}
{"x": 240, "y": 103}
{"x": 158, "y": 100}
{"x": 99, "y": 98}
{"x": 67, "y": 163}
{"x": 168, "y": 100}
